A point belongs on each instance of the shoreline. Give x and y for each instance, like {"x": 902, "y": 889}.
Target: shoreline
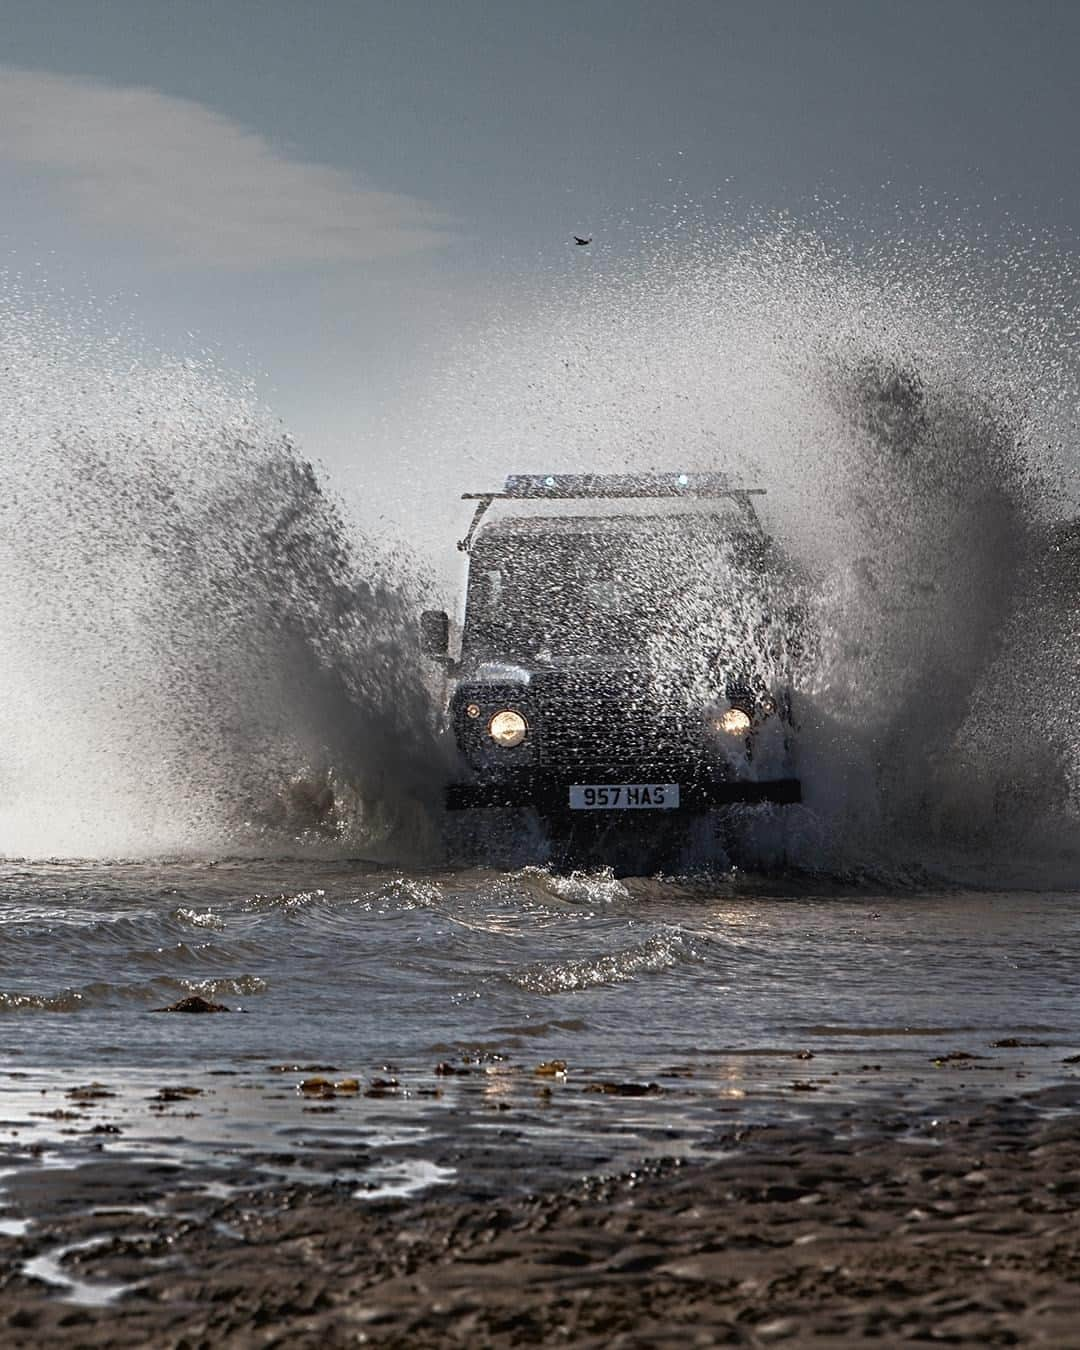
{"x": 835, "y": 1231}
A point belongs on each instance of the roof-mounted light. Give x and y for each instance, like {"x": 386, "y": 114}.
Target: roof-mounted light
{"x": 611, "y": 486}
{"x": 614, "y": 485}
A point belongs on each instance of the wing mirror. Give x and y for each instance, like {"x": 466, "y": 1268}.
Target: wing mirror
{"x": 435, "y": 634}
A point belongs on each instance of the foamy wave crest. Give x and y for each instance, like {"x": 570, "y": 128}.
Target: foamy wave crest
{"x": 403, "y": 893}
{"x": 533, "y": 888}
{"x": 109, "y": 994}
{"x": 66, "y": 1001}
{"x": 205, "y": 918}
{"x": 658, "y": 953}
{"x": 238, "y": 985}
{"x": 286, "y": 900}
{"x": 588, "y": 888}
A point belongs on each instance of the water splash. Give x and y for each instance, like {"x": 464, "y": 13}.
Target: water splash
{"x": 197, "y": 654}
{"x": 200, "y": 655}
{"x": 908, "y": 399}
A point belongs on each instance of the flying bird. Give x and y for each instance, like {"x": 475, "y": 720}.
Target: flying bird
{"x": 578, "y": 239}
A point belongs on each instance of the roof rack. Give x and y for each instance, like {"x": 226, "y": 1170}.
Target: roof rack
{"x": 582, "y": 486}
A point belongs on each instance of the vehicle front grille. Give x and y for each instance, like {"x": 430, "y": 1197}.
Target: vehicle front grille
{"x": 613, "y": 726}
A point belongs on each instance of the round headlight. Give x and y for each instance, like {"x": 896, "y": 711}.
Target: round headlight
{"x": 734, "y": 722}
{"x": 472, "y": 709}
{"x": 507, "y": 729}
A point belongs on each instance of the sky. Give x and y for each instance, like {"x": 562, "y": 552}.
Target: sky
{"x": 327, "y": 194}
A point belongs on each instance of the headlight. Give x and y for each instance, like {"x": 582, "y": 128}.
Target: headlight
{"x": 507, "y": 729}
{"x": 734, "y": 722}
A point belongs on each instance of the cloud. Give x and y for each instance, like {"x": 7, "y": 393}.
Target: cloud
{"x": 198, "y": 187}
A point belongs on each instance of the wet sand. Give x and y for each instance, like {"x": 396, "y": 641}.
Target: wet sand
{"x": 880, "y": 1227}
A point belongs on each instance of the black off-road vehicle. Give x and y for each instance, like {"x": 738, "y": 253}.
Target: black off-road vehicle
{"x": 624, "y": 664}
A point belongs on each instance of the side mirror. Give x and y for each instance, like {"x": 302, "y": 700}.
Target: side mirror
{"x": 435, "y": 633}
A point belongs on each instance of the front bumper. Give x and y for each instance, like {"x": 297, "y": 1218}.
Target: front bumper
{"x": 553, "y": 796}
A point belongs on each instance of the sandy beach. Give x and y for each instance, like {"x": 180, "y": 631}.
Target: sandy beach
{"x": 877, "y": 1227}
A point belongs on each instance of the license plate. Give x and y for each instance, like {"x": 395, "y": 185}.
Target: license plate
{"x": 624, "y": 796}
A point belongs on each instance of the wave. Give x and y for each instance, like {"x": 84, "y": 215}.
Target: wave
{"x": 100, "y": 994}
{"x": 654, "y": 955}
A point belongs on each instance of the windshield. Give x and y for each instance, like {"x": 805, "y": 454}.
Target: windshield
{"x": 549, "y": 598}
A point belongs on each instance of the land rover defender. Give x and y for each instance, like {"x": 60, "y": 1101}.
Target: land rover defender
{"x": 624, "y": 661}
